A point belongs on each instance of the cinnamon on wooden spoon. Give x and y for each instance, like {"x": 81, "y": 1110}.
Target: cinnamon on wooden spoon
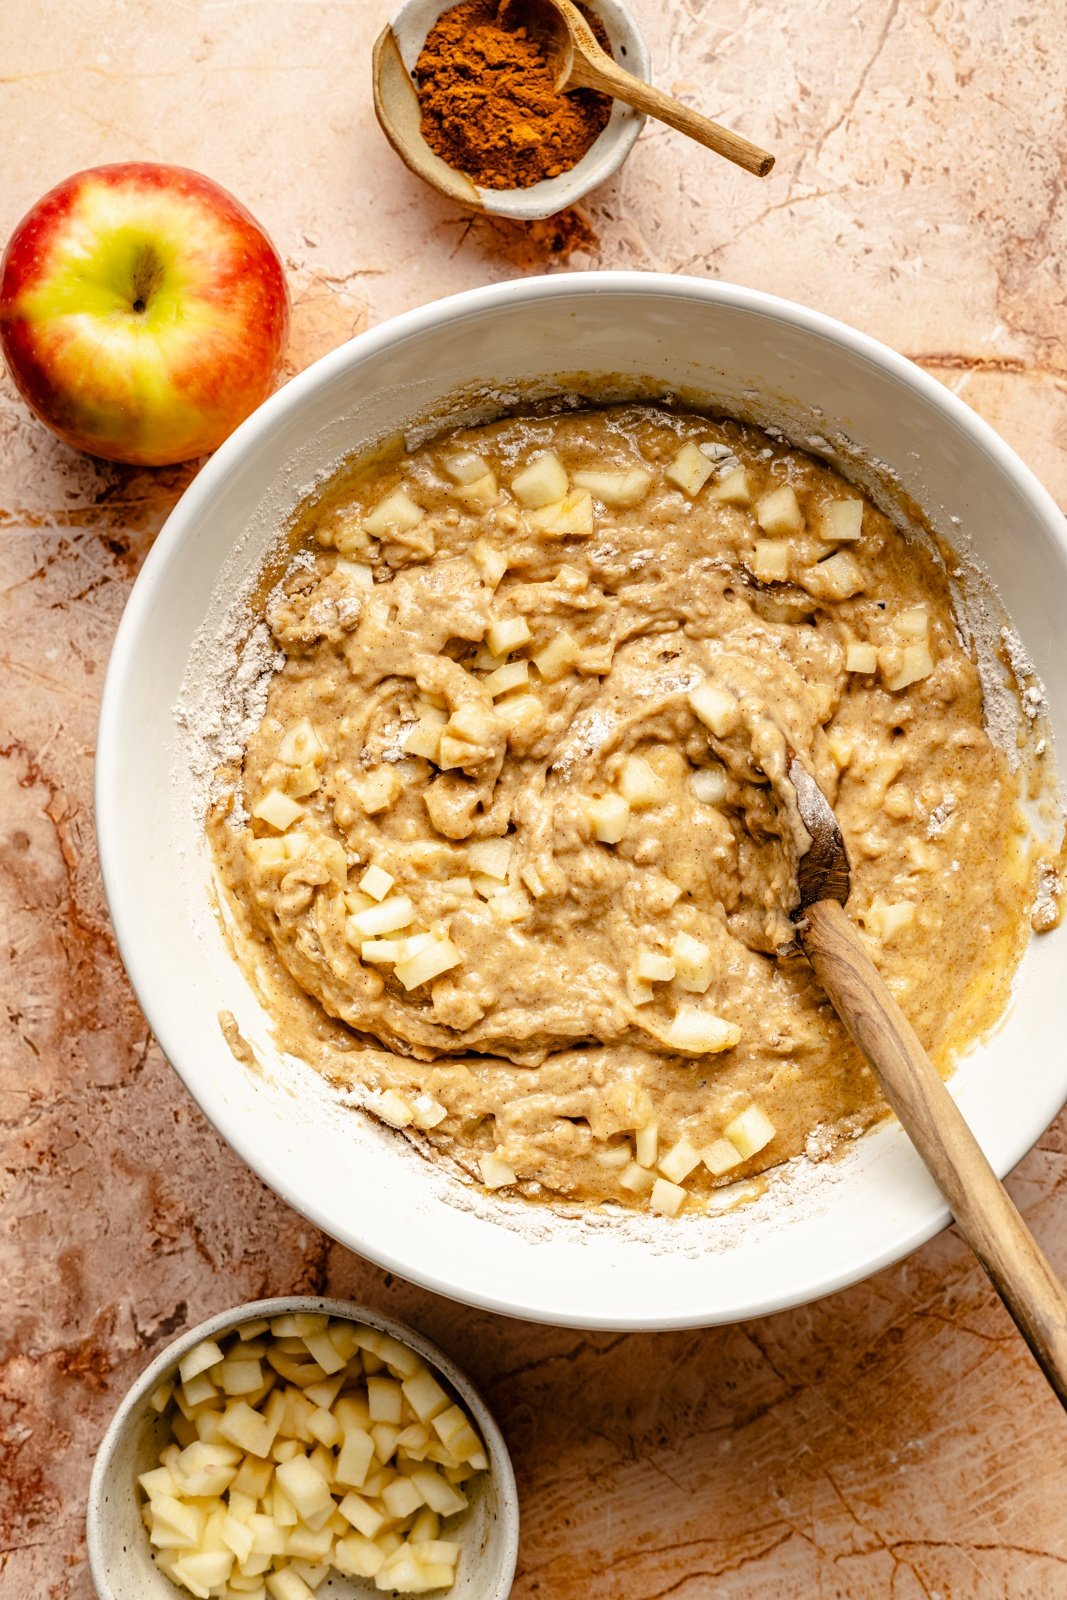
{"x": 910, "y": 1082}
{"x": 580, "y": 63}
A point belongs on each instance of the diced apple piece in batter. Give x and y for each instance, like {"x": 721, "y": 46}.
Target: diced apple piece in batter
{"x": 709, "y": 784}
{"x": 533, "y": 881}
{"x": 750, "y": 1132}
{"x": 886, "y": 918}
{"x": 474, "y": 723}
{"x": 351, "y": 538}
{"x": 595, "y": 660}
{"x": 616, "y": 489}
{"x": 512, "y": 906}
{"x": 513, "y": 675}
{"x": 778, "y": 511}
{"x": 506, "y": 634}
{"x": 382, "y": 952}
{"x": 646, "y": 1144}
{"x": 838, "y": 577}
{"x": 392, "y": 1108}
{"x": 491, "y": 562}
{"x": 903, "y": 666}
{"x": 637, "y": 1179}
{"x": 301, "y": 745}
{"x": 396, "y": 514}
{"x": 466, "y": 466}
{"x": 733, "y": 489}
{"x": 609, "y": 817}
{"x": 377, "y": 790}
{"x": 496, "y": 1173}
{"x": 666, "y": 1198}
{"x": 557, "y": 657}
{"x": 453, "y": 753}
{"x": 424, "y": 737}
{"x": 641, "y": 784}
{"x": 616, "y": 1156}
{"x": 653, "y": 967}
{"x": 428, "y": 1111}
{"x": 277, "y": 810}
{"x": 523, "y": 715}
{"x": 491, "y": 856}
{"x": 303, "y": 781}
{"x": 479, "y": 495}
{"x": 394, "y": 912}
{"x": 769, "y": 561}
{"x": 689, "y": 470}
{"x": 720, "y": 1157}
{"x": 441, "y": 955}
{"x": 860, "y": 657}
{"x": 355, "y": 573}
{"x": 541, "y": 482}
{"x": 913, "y": 623}
{"x": 679, "y": 1161}
{"x": 639, "y": 991}
{"x": 376, "y": 882}
{"x": 716, "y": 708}
{"x": 693, "y": 962}
{"x": 569, "y": 518}
{"x": 839, "y": 521}
{"x": 696, "y": 1032}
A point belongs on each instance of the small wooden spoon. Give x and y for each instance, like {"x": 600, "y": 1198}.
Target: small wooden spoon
{"x": 986, "y": 1216}
{"x": 580, "y": 63}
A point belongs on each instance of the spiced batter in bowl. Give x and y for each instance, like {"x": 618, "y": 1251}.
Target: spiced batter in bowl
{"x": 508, "y": 850}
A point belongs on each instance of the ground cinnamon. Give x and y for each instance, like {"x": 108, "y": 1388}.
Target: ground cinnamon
{"x": 489, "y": 103}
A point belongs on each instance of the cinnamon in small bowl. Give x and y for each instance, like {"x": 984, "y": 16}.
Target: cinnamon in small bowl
{"x": 466, "y": 96}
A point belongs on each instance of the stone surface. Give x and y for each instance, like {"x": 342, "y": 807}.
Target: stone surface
{"x": 894, "y": 1440}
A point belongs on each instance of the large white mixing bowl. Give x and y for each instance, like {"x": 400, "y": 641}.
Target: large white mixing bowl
{"x": 819, "y": 1227}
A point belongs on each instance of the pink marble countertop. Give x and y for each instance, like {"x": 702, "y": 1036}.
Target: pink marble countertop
{"x": 894, "y": 1440}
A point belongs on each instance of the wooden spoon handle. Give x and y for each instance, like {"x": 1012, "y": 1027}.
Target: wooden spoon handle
{"x": 599, "y": 71}
{"x": 987, "y": 1218}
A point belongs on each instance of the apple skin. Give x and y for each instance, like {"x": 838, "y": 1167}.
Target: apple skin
{"x": 144, "y": 312}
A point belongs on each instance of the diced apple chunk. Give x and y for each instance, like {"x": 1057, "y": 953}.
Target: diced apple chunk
{"x": 496, "y": 1173}
{"x": 569, "y": 518}
{"x": 557, "y": 657}
{"x": 860, "y": 657}
{"x": 666, "y": 1198}
{"x": 428, "y": 1112}
{"x": 609, "y": 817}
{"x": 778, "y": 511}
{"x": 716, "y": 708}
{"x": 491, "y": 856}
{"x": 513, "y": 675}
{"x": 491, "y": 562}
{"x": 733, "y": 489}
{"x": 395, "y": 912}
{"x": 720, "y": 1157}
{"x": 653, "y": 967}
{"x": 541, "y": 482}
{"x": 301, "y": 745}
{"x": 886, "y": 918}
{"x": 839, "y": 521}
{"x": 306, "y": 1487}
{"x": 523, "y": 716}
{"x": 506, "y": 634}
{"x": 616, "y": 489}
{"x": 710, "y": 784}
{"x": 837, "y": 578}
{"x": 696, "y": 1032}
{"x": 202, "y": 1356}
{"x": 423, "y": 738}
{"x": 679, "y": 1161}
{"x": 466, "y": 466}
{"x": 913, "y": 622}
{"x": 750, "y": 1132}
{"x": 391, "y": 1108}
{"x": 689, "y": 470}
{"x": 439, "y": 956}
{"x": 641, "y": 784}
{"x": 769, "y": 561}
{"x": 377, "y": 790}
{"x": 646, "y": 1144}
{"x": 693, "y": 962}
{"x": 901, "y": 667}
{"x": 376, "y": 882}
{"x": 397, "y": 513}
{"x": 637, "y": 1179}
{"x": 277, "y": 810}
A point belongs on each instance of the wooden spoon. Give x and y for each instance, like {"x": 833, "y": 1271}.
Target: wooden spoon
{"x": 580, "y": 63}
{"x": 980, "y": 1204}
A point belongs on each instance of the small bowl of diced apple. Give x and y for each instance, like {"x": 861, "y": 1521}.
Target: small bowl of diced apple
{"x": 300, "y": 1446}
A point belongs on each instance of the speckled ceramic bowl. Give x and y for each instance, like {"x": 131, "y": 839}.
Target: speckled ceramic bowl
{"x": 397, "y": 108}
{"x": 827, "y": 388}
{"x": 120, "y": 1556}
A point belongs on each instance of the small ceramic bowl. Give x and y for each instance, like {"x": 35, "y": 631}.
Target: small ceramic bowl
{"x": 397, "y": 107}
{"x": 120, "y": 1557}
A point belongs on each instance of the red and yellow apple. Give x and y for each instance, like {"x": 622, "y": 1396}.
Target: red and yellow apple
{"x": 143, "y": 312}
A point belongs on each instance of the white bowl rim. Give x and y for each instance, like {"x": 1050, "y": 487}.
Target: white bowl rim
{"x": 120, "y": 893}
{"x": 139, "y": 1392}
